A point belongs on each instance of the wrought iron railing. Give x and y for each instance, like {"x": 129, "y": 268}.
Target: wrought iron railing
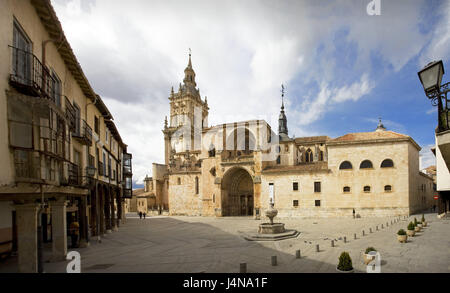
{"x": 83, "y": 132}
{"x": 30, "y": 76}
{"x": 70, "y": 114}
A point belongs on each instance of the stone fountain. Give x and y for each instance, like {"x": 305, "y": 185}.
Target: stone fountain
{"x": 271, "y": 231}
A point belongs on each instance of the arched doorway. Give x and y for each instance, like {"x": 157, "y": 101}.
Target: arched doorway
{"x": 237, "y": 193}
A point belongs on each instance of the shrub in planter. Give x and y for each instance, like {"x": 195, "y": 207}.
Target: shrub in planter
{"x": 401, "y": 236}
{"x": 368, "y": 257}
{"x": 417, "y": 224}
{"x": 345, "y": 263}
{"x": 410, "y": 232}
{"x": 424, "y": 223}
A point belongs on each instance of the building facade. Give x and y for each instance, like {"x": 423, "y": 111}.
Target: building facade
{"x": 62, "y": 155}
{"x": 238, "y": 169}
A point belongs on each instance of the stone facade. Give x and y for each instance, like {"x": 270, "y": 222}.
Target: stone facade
{"x": 237, "y": 169}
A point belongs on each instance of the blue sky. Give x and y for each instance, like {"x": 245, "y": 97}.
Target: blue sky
{"x": 342, "y": 68}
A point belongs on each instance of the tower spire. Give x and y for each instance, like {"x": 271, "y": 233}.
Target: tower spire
{"x": 282, "y": 120}
{"x": 189, "y": 74}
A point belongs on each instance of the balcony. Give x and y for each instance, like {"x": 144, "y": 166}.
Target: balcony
{"x": 74, "y": 178}
{"x": 237, "y": 157}
{"x": 83, "y": 133}
{"x": 29, "y": 76}
{"x": 100, "y": 169}
{"x": 127, "y": 170}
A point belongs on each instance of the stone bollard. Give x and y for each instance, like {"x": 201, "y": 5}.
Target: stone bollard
{"x": 345, "y": 239}
{"x": 243, "y": 267}
{"x": 382, "y": 227}
{"x": 370, "y": 230}
{"x": 354, "y": 236}
{"x": 387, "y": 224}
{"x": 274, "y": 260}
{"x": 363, "y": 233}
{"x": 332, "y": 243}
{"x": 317, "y": 248}
{"x": 377, "y": 227}
{"x": 297, "y": 254}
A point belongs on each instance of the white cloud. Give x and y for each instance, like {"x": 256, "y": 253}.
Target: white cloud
{"x": 134, "y": 51}
{"x": 439, "y": 48}
{"x": 426, "y": 157}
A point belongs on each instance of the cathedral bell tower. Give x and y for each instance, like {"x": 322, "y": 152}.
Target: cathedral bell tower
{"x": 187, "y": 109}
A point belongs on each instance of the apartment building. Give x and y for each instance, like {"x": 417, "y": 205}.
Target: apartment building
{"x": 62, "y": 156}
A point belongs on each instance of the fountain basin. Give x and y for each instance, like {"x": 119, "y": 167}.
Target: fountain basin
{"x": 268, "y": 228}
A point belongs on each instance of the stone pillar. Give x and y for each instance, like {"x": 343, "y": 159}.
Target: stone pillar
{"x": 107, "y": 208}
{"x": 59, "y": 230}
{"x": 84, "y": 225}
{"x": 316, "y": 153}
{"x": 119, "y": 207}
{"x": 101, "y": 210}
{"x": 27, "y": 237}
{"x": 113, "y": 214}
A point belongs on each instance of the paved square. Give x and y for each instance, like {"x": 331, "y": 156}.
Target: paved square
{"x": 199, "y": 244}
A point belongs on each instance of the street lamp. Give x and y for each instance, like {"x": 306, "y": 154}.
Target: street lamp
{"x": 431, "y": 77}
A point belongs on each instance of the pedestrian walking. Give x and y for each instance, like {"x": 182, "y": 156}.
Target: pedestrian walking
{"x": 144, "y": 215}
{"x": 74, "y": 232}
{"x": 140, "y": 215}
{"x": 353, "y": 213}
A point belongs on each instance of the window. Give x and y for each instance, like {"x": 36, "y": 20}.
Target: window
{"x": 278, "y": 160}
{"x": 346, "y": 188}
{"x": 367, "y": 188}
{"x": 96, "y": 125}
{"x": 317, "y": 203}
{"x": 387, "y": 188}
{"x": 316, "y": 186}
{"x": 21, "y": 55}
{"x": 196, "y": 185}
{"x": 106, "y": 135}
{"x": 295, "y": 203}
{"x": 179, "y": 181}
{"x": 56, "y": 89}
{"x": 345, "y": 165}
{"x": 77, "y": 118}
{"x": 295, "y": 186}
{"x": 366, "y": 164}
{"x": 321, "y": 156}
{"x": 104, "y": 165}
{"x": 309, "y": 155}
{"x": 387, "y": 163}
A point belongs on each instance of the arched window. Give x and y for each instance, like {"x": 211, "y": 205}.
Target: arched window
{"x": 196, "y": 185}
{"x": 321, "y": 156}
{"x": 346, "y": 188}
{"x": 387, "y": 188}
{"x": 366, "y": 164}
{"x": 309, "y": 155}
{"x": 387, "y": 163}
{"x": 367, "y": 188}
{"x": 345, "y": 165}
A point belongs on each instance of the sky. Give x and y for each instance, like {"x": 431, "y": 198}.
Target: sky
{"x": 343, "y": 69}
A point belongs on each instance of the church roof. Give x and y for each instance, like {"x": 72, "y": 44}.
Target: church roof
{"x": 375, "y": 136}
{"x": 310, "y": 139}
{"x": 370, "y": 136}
{"x": 320, "y": 166}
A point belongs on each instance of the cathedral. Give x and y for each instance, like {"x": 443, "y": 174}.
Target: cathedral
{"x": 240, "y": 168}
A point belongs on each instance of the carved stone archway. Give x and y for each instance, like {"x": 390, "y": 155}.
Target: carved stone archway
{"x": 237, "y": 193}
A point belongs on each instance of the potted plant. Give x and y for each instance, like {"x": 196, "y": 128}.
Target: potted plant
{"x": 345, "y": 263}
{"x": 369, "y": 257}
{"x": 410, "y": 232}
{"x": 401, "y": 236}
{"x": 424, "y": 223}
{"x": 419, "y": 224}
{"x": 416, "y": 228}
